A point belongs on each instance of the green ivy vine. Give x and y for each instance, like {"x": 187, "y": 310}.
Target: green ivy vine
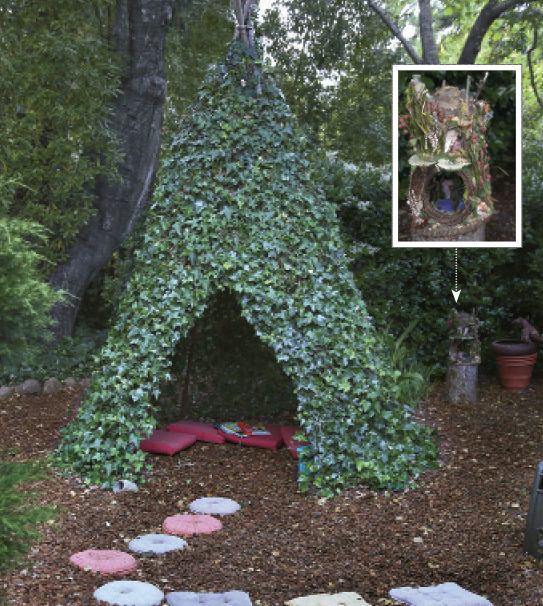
{"x": 235, "y": 208}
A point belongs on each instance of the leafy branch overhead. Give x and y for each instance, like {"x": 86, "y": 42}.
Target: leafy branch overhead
{"x": 236, "y": 208}
{"x": 491, "y": 12}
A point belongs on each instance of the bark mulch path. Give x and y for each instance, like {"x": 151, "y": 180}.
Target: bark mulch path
{"x": 464, "y": 523}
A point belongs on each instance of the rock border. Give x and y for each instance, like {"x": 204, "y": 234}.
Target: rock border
{"x": 50, "y": 386}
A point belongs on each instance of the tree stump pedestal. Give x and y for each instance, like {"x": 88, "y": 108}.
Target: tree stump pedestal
{"x": 462, "y": 382}
{"x": 464, "y": 357}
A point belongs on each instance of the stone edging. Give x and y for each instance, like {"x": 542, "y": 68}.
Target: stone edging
{"x": 50, "y": 386}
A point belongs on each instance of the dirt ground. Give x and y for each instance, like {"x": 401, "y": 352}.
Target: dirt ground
{"x": 463, "y": 523}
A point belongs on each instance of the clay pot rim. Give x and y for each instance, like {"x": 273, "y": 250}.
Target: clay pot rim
{"x": 513, "y": 347}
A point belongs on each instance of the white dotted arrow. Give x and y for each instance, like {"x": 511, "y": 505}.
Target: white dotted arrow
{"x": 456, "y": 292}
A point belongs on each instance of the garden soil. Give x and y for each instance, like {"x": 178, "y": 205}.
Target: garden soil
{"x": 463, "y": 523}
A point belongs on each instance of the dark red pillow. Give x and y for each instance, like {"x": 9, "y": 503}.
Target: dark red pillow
{"x": 287, "y": 432}
{"x": 205, "y": 432}
{"x": 273, "y": 441}
{"x": 166, "y": 442}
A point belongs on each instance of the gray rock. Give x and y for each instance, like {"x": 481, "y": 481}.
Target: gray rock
{"x": 52, "y": 385}
{"x": 29, "y": 386}
{"x": 70, "y": 382}
{"x": 5, "y": 391}
{"x": 123, "y": 485}
{"x": 85, "y": 382}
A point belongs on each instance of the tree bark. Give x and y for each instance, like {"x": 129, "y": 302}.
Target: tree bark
{"x": 426, "y": 28}
{"x": 462, "y": 383}
{"x": 491, "y": 11}
{"x": 139, "y": 33}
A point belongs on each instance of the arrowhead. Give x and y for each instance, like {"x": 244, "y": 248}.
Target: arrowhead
{"x": 456, "y": 294}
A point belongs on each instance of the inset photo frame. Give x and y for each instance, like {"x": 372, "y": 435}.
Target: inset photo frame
{"x": 457, "y": 156}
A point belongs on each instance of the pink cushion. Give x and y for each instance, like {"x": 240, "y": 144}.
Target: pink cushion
{"x": 204, "y": 432}
{"x": 166, "y": 442}
{"x": 273, "y": 441}
{"x": 287, "y": 432}
{"x": 186, "y": 524}
{"x": 105, "y": 561}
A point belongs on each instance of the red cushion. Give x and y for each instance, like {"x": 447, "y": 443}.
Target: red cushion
{"x": 204, "y": 432}
{"x": 273, "y": 441}
{"x": 287, "y": 432}
{"x": 166, "y": 442}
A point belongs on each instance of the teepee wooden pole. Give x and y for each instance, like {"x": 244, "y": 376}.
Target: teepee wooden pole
{"x": 244, "y": 27}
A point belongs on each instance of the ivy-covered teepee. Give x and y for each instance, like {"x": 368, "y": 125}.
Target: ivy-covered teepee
{"x": 235, "y": 208}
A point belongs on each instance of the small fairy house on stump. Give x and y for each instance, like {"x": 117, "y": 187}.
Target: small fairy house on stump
{"x": 464, "y": 357}
{"x": 449, "y": 188}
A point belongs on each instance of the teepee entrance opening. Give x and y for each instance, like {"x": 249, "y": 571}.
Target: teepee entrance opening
{"x": 222, "y": 371}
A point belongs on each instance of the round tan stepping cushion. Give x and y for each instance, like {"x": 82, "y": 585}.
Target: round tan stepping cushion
{"x": 347, "y": 598}
{"x": 186, "y": 524}
{"x": 105, "y": 561}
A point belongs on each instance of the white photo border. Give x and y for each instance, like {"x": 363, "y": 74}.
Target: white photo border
{"x": 517, "y": 243}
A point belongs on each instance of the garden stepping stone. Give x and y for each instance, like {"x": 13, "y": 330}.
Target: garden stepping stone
{"x": 347, "y": 598}
{"x": 156, "y": 544}
{"x": 187, "y": 524}
{"x": 214, "y": 505}
{"x": 188, "y": 598}
{"x": 129, "y": 593}
{"x": 105, "y": 561}
{"x": 446, "y": 594}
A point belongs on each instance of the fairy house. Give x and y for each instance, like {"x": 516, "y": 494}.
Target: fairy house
{"x": 449, "y": 188}
{"x": 236, "y": 208}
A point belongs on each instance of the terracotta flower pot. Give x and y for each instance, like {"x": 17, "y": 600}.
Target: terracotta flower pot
{"x": 516, "y": 361}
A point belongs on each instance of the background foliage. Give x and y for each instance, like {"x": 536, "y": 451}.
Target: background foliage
{"x": 197, "y": 37}
{"x": 334, "y": 63}
{"x": 25, "y": 298}
{"x": 401, "y": 285}
{"x": 57, "y": 79}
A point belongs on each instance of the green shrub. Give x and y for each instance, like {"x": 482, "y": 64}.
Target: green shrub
{"x": 25, "y": 299}
{"x": 18, "y": 514}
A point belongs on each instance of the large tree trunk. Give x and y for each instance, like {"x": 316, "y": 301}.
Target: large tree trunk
{"x": 139, "y": 31}
{"x": 427, "y": 37}
{"x": 491, "y": 11}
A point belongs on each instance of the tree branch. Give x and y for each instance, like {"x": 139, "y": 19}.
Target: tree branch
{"x": 491, "y": 11}
{"x": 426, "y": 28}
{"x": 531, "y": 67}
{"x": 394, "y": 29}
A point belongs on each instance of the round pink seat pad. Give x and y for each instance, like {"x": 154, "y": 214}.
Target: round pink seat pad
{"x": 187, "y": 524}
{"x": 105, "y": 561}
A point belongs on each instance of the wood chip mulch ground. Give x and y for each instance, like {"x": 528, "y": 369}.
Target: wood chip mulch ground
{"x": 464, "y": 523}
